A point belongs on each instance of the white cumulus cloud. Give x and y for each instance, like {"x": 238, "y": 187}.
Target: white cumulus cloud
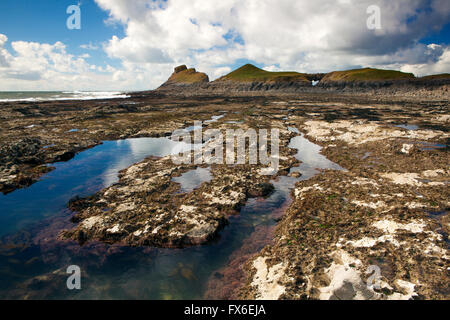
{"x": 213, "y": 36}
{"x": 42, "y": 66}
{"x": 302, "y": 35}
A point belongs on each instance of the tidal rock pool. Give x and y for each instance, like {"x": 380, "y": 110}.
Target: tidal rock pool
{"x": 88, "y": 172}
{"x": 33, "y": 261}
{"x": 191, "y": 180}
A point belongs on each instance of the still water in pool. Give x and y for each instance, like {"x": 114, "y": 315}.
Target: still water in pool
{"x": 33, "y": 262}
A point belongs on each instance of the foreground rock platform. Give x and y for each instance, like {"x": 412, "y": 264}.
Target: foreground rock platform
{"x": 388, "y": 209}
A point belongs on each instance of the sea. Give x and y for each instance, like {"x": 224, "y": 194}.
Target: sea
{"x": 36, "y": 96}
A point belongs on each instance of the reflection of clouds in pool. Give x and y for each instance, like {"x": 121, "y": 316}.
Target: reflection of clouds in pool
{"x": 131, "y": 151}
{"x": 215, "y": 118}
{"x": 309, "y": 154}
{"x": 110, "y": 176}
{"x": 159, "y": 147}
{"x": 191, "y": 180}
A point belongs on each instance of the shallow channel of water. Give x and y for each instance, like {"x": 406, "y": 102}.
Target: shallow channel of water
{"x": 411, "y": 127}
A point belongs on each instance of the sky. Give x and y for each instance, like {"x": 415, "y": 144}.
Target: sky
{"x": 127, "y": 45}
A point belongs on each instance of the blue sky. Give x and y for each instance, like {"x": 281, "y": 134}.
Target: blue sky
{"x": 44, "y": 21}
{"x": 441, "y": 36}
{"x": 136, "y": 44}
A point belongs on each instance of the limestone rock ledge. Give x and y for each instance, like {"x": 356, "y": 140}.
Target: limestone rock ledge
{"x": 145, "y": 208}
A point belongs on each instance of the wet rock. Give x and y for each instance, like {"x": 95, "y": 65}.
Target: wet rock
{"x": 340, "y": 220}
{"x": 407, "y": 148}
{"x": 295, "y": 174}
{"x": 23, "y": 151}
{"x": 48, "y": 286}
{"x": 346, "y": 292}
{"x": 261, "y": 190}
{"x": 64, "y": 156}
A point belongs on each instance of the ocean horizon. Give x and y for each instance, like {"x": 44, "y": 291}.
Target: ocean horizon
{"x": 38, "y": 96}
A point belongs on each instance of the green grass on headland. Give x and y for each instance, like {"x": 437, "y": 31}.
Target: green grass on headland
{"x": 189, "y": 76}
{"x": 251, "y": 73}
{"x": 436, "y": 77}
{"x": 367, "y": 74}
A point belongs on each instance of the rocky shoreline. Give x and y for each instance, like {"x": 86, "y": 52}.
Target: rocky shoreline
{"x": 389, "y": 208}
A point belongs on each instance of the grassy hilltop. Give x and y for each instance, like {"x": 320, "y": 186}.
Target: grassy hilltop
{"x": 441, "y": 76}
{"x": 250, "y": 73}
{"x": 183, "y": 75}
{"x": 367, "y": 74}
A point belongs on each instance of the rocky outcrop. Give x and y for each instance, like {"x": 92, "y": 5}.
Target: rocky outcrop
{"x": 146, "y": 209}
{"x": 184, "y": 77}
{"x": 415, "y": 89}
{"x": 14, "y": 158}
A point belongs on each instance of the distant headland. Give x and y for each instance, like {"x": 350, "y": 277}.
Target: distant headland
{"x": 250, "y": 78}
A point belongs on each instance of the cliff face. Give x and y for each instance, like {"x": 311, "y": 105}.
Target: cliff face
{"x": 184, "y": 77}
